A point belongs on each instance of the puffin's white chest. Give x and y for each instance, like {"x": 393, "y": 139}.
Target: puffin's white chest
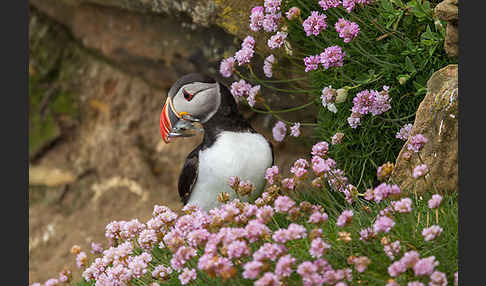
{"x": 246, "y": 155}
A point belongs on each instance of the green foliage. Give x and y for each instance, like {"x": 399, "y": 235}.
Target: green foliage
{"x": 399, "y": 45}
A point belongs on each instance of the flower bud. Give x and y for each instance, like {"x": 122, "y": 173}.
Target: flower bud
{"x": 342, "y": 94}
{"x": 223, "y": 197}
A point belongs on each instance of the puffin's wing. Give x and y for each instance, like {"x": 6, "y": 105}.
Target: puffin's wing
{"x": 188, "y": 176}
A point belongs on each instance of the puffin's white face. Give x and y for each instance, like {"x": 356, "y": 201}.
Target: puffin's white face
{"x": 199, "y": 99}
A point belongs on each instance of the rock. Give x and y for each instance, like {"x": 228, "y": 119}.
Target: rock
{"x": 436, "y": 119}
{"x": 50, "y": 177}
{"x": 448, "y": 10}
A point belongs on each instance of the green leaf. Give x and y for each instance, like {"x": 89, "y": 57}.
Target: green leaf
{"x": 409, "y": 65}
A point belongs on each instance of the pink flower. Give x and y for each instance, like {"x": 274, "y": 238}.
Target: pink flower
{"x": 420, "y": 171}
{"x": 425, "y": 266}
{"x": 314, "y": 24}
{"x": 366, "y": 234}
{"x": 317, "y": 217}
{"x": 349, "y": 5}
{"x": 269, "y": 251}
{"x": 268, "y": 279}
{"x": 256, "y": 230}
{"x": 51, "y": 282}
{"x": 227, "y": 67}
{"x": 283, "y": 204}
{"x": 383, "y": 224}
{"x": 337, "y": 138}
{"x": 295, "y": 130}
{"x": 252, "y": 95}
{"x": 312, "y": 62}
{"x": 416, "y": 142}
{"x": 288, "y": 183}
{"x": 293, "y": 13}
{"x": 283, "y": 268}
{"x": 438, "y": 278}
{"x": 147, "y": 239}
{"x": 279, "y": 131}
{"x": 347, "y": 30}
{"x": 138, "y": 265}
{"x": 277, "y": 40}
{"x": 397, "y": 268}
{"x": 187, "y": 275}
{"x": 432, "y": 232}
{"x": 272, "y": 6}
{"x": 435, "y": 201}
{"x": 410, "y": 258}
{"x": 318, "y": 247}
{"x": 403, "y": 206}
{"x": 271, "y": 173}
{"x": 237, "y": 249}
{"x": 361, "y": 263}
{"x": 320, "y": 149}
{"x": 161, "y": 271}
{"x": 252, "y": 269}
{"x": 256, "y": 18}
{"x": 267, "y": 66}
{"x": 299, "y": 168}
{"x": 392, "y": 249}
{"x": 326, "y": 4}
{"x": 96, "y": 247}
{"x": 264, "y": 214}
{"x": 81, "y": 259}
{"x": 271, "y": 21}
{"x": 404, "y": 132}
{"x": 344, "y": 218}
{"x": 244, "y": 55}
{"x": 320, "y": 166}
{"x": 332, "y": 57}
{"x": 354, "y": 120}
{"x": 415, "y": 283}
{"x": 240, "y": 88}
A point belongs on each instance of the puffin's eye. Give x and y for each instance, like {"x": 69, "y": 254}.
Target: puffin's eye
{"x": 188, "y": 96}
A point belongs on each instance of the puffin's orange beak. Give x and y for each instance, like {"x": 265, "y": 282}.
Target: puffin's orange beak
{"x": 166, "y": 118}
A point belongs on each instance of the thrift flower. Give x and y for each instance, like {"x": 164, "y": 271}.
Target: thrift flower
{"x": 344, "y": 218}
{"x": 320, "y": 149}
{"x": 252, "y": 269}
{"x": 420, "y": 171}
{"x": 312, "y": 62}
{"x": 392, "y": 249}
{"x": 256, "y": 18}
{"x": 283, "y": 204}
{"x": 272, "y": 6}
{"x": 326, "y": 4}
{"x": 403, "y": 206}
{"x": 270, "y": 174}
{"x": 295, "y": 130}
{"x": 435, "y": 201}
{"x": 283, "y": 268}
{"x": 318, "y": 247}
{"x": 337, "y": 138}
{"x": 332, "y": 57}
{"x": 277, "y": 40}
{"x": 293, "y": 13}
{"x": 404, "y": 132}
{"x": 227, "y": 67}
{"x": 314, "y": 24}
{"x": 240, "y": 88}
{"x": 432, "y": 232}
{"x": 416, "y": 143}
{"x": 187, "y": 275}
{"x": 347, "y": 30}
{"x": 279, "y": 131}
{"x": 438, "y": 278}
{"x": 268, "y": 279}
{"x": 425, "y": 266}
{"x": 271, "y": 21}
{"x": 267, "y": 66}
{"x": 383, "y": 224}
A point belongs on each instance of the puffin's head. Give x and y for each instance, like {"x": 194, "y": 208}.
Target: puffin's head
{"x": 193, "y": 96}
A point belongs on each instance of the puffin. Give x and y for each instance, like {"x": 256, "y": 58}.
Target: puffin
{"x": 230, "y": 145}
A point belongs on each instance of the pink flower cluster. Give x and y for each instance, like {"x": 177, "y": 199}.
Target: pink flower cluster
{"x": 381, "y": 192}
{"x": 392, "y": 249}
{"x": 432, "y": 232}
{"x": 266, "y": 17}
{"x": 347, "y": 30}
{"x": 404, "y": 132}
{"x": 314, "y": 24}
{"x": 243, "y": 89}
{"x": 416, "y": 142}
{"x": 344, "y": 218}
{"x": 277, "y": 40}
{"x": 279, "y": 131}
{"x": 411, "y": 260}
{"x": 435, "y": 201}
{"x": 267, "y": 66}
{"x": 419, "y": 171}
{"x": 326, "y": 4}
{"x": 402, "y": 206}
{"x": 369, "y": 101}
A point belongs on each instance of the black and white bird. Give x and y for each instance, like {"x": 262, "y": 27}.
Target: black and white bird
{"x": 230, "y": 147}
